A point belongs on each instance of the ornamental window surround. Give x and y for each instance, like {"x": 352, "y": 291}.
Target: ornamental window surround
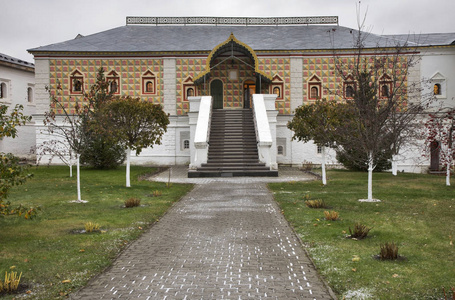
{"x": 349, "y": 87}
{"x": 149, "y": 83}
{"x": 277, "y": 87}
{"x": 385, "y": 86}
{"x": 314, "y": 88}
{"x": 113, "y": 80}
{"x": 189, "y": 89}
{"x": 76, "y": 83}
{"x": 439, "y": 83}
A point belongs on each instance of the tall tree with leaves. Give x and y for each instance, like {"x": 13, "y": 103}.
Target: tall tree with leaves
{"x": 317, "y": 122}
{"x": 81, "y": 126}
{"x": 136, "y": 124}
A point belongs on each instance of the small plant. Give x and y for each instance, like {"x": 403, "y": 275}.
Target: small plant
{"x": 11, "y": 282}
{"x": 157, "y": 193}
{"x": 132, "y": 202}
{"x": 317, "y": 203}
{"x": 331, "y": 215}
{"x": 306, "y": 197}
{"x": 91, "y": 227}
{"x": 360, "y": 231}
{"x": 389, "y": 251}
{"x": 307, "y": 166}
{"x": 445, "y": 295}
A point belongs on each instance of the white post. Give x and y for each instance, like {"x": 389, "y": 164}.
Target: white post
{"x": 370, "y": 176}
{"x": 394, "y": 165}
{"x": 128, "y": 157}
{"x": 79, "y": 199}
{"x": 324, "y": 178}
{"x": 449, "y": 164}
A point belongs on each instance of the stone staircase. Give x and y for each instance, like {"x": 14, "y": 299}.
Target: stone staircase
{"x": 232, "y": 147}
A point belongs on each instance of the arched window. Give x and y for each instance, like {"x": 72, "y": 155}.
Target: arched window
{"x": 149, "y": 87}
{"x": 77, "y": 85}
{"x": 314, "y": 93}
{"x": 30, "y": 95}
{"x": 349, "y": 93}
{"x": 3, "y": 91}
{"x": 280, "y": 150}
{"x": 189, "y": 92}
{"x": 113, "y": 87}
{"x": 277, "y": 92}
{"x": 385, "y": 90}
{"x": 437, "y": 89}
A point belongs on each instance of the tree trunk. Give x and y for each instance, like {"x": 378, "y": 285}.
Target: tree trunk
{"x": 324, "y": 178}
{"x": 79, "y": 199}
{"x": 71, "y": 170}
{"x": 394, "y": 165}
{"x": 128, "y": 158}
{"x": 449, "y": 164}
{"x": 370, "y": 176}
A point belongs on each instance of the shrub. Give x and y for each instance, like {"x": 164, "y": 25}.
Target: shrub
{"x": 11, "y": 282}
{"x": 389, "y": 251}
{"x": 157, "y": 193}
{"x": 360, "y": 231}
{"x": 100, "y": 153}
{"x": 331, "y": 216}
{"x": 317, "y": 203}
{"x": 382, "y": 160}
{"x": 132, "y": 202}
{"x": 91, "y": 227}
{"x": 307, "y": 166}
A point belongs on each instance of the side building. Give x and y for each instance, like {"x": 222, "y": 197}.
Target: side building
{"x": 170, "y": 61}
{"x": 17, "y": 86}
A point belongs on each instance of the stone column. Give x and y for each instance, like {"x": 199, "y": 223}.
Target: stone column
{"x": 296, "y": 82}
{"x": 170, "y": 86}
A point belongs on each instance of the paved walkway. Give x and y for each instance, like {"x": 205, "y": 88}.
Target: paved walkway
{"x": 226, "y": 239}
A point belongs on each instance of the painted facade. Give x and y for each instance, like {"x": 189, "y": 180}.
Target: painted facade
{"x": 296, "y": 71}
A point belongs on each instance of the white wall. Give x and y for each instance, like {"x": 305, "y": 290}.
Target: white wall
{"x": 17, "y": 82}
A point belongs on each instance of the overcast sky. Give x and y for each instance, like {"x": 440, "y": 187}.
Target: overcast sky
{"x": 29, "y": 24}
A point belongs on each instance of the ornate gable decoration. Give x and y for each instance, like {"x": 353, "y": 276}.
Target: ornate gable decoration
{"x": 221, "y": 48}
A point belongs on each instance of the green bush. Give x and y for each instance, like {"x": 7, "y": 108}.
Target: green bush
{"x": 355, "y": 160}
{"x": 99, "y": 153}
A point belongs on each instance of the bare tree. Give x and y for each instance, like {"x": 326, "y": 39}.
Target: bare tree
{"x": 382, "y": 103}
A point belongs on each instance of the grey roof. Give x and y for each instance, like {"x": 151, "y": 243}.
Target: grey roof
{"x": 147, "y": 38}
{"x": 426, "y": 39}
{"x": 15, "y": 61}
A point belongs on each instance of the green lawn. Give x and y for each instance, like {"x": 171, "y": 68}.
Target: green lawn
{"x": 417, "y": 212}
{"x": 50, "y": 249}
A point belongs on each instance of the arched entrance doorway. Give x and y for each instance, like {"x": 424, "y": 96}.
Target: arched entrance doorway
{"x": 235, "y": 67}
{"x": 249, "y": 88}
{"x": 216, "y": 91}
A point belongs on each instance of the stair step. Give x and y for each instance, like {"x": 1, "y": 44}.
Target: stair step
{"x": 233, "y": 147}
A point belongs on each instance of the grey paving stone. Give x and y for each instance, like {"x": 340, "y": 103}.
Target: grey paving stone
{"x": 226, "y": 239}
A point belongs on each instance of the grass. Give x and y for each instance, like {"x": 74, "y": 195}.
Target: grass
{"x": 417, "y": 213}
{"x": 52, "y": 251}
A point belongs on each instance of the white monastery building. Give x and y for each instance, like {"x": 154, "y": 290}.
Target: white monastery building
{"x": 17, "y": 86}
